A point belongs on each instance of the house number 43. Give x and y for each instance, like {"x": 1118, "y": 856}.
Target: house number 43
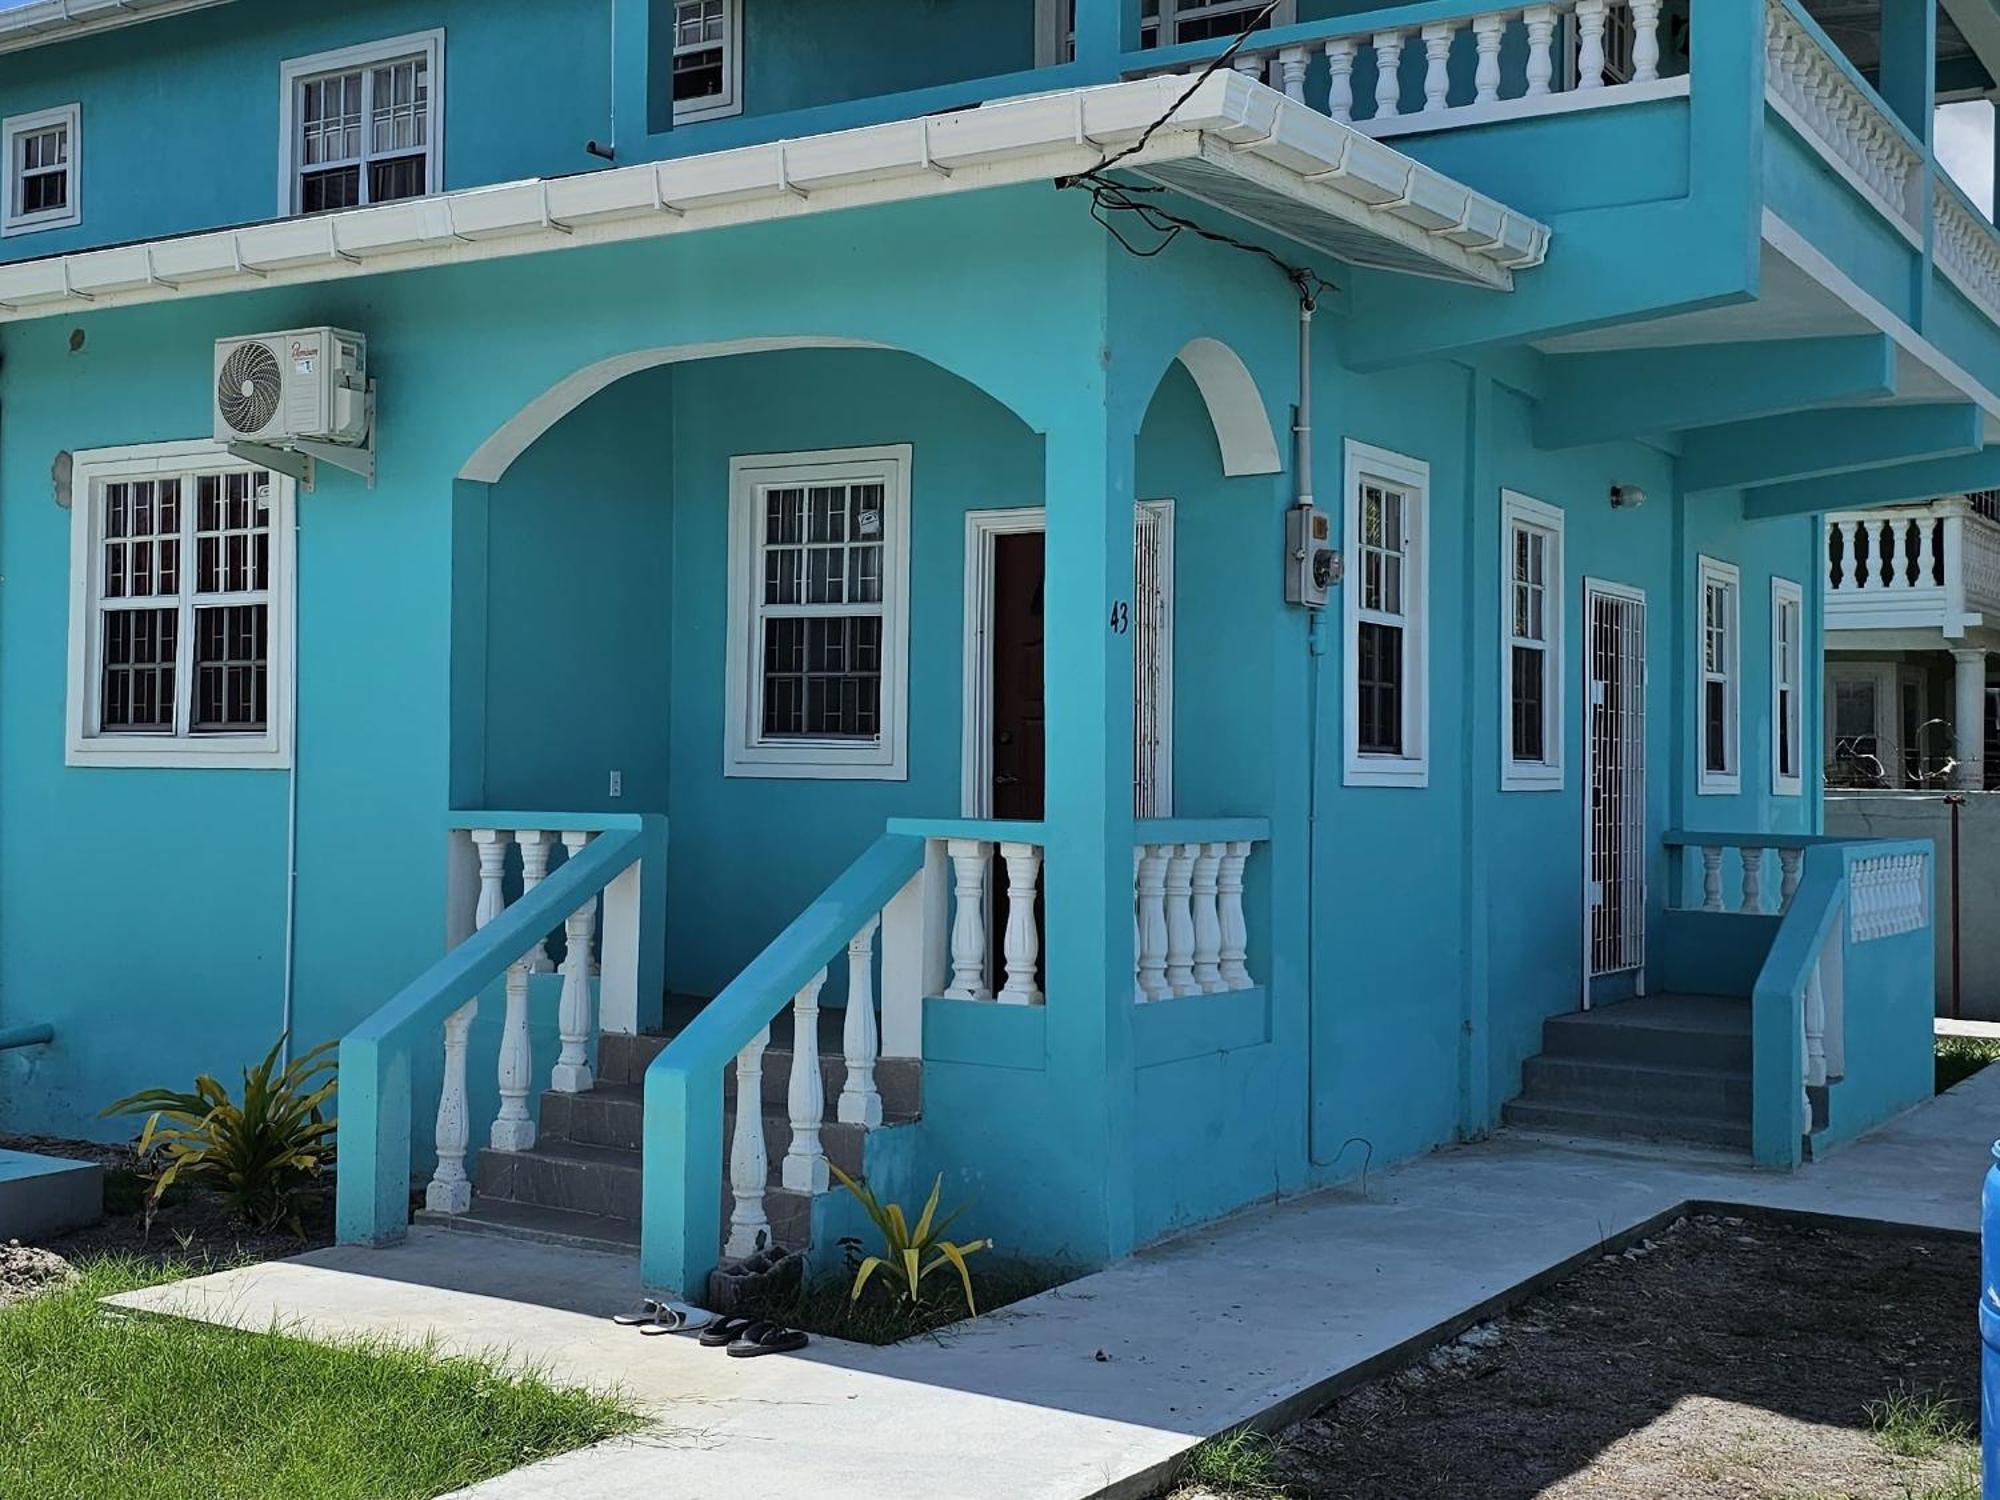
{"x": 1121, "y": 617}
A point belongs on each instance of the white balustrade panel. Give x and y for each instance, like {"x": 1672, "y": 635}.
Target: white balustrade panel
{"x": 1752, "y": 895}
{"x": 1839, "y": 116}
{"x": 1189, "y": 932}
{"x": 1888, "y": 894}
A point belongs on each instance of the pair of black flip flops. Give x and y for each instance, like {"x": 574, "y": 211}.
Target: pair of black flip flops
{"x": 744, "y": 1338}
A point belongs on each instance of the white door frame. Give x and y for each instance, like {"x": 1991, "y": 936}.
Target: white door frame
{"x": 1594, "y": 589}
{"x": 982, "y": 530}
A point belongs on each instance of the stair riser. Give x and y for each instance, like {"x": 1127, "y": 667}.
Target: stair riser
{"x": 790, "y": 1215}
{"x": 592, "y": 1120}
{"x": 1644, "y": 1046}
{"x": 1527, "y": 1115}
{"x": 1582, "y": 1083}
{"x": 603, "y": 1188}
{"x": 605, "y": 1243}
{"x": 624, "y": 1059}
{"x": 843, "y": 1144}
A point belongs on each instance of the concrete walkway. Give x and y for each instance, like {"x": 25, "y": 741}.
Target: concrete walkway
{"x": 1095, "y": 1389}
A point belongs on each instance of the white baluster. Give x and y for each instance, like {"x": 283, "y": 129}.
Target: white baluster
{"x": 1233, "y": 958}
{"x": 1541, "y": 23}
{"x": 1753, "y": 879}
{"x": 514, "y": 1127}
{"x": 804, "y": 1169}
{"x": 1437, "y": 66}
{"x": 1292, "y": 68}
{"x": 536, "y": 847}
{"x": 1789, "y": 861}
{"x": 1388, "y": 82}
{"x": 1814, "y": 1057}
{"x": 1645, "y": 41}
{"x": 1892, "y": 557}
{"x": 1857, "y": 571}
{"x": 860, "y": 1101}
{"x": 969, "y": 859}
{"x": 450, "y": 1190}
{"x": 1487, "y": 31}
{"x": 1340, "y": 79}
{"x": 1590, "y": 18}
{"x": 1711, "y": 878}
{"x": 1929, "y": 559}
{"x": 1153, "y": 922}
{"x": 573, "y": 1019}
{"x": 1180, "y": 919}
{"x": 1251, "y": 65}
{"x": 749, "y": 1168}
{"x": 491, "y": 845}
{"x": 1020, "y": 943}
{"x": 1207, "y": 918}
{"x": 1138, "y": 940}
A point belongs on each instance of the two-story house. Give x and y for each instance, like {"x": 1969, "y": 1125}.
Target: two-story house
{"x": 1133, "y": 614}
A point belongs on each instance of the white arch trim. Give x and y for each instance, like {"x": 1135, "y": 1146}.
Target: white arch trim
{"x": 494, "y": 457}
{"x": 1235, "y": 407}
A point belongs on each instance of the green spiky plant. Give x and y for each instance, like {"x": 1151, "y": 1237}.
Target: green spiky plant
{"x": 256, "y": 1155}
{"x": 911, "y": 1255}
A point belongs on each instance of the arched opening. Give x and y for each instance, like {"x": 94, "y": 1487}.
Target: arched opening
{"x": 1235, "y": 408}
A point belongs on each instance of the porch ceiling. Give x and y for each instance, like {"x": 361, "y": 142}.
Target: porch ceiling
{"x": 1234, "y": 144}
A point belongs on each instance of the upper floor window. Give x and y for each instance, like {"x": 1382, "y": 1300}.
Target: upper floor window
{"x": 180, "y": 609}
{"x": 1531, "y": 644}
{"x": 708, "y": 59}
{"x": 818, "y": 621}
{"x": 1387, "y": 603}
{"x": 1721, "y": 655}
{"x": 1162, "y": 23}
{"x": 363, "y": 125}
{"x": 1787, "y": 686}
{"x": 41, "y": 170}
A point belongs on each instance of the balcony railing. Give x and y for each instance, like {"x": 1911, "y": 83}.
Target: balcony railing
{"x": 1933, "y": 566}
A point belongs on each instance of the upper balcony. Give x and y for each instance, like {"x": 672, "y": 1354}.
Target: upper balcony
{"x": 1930, "y": 568}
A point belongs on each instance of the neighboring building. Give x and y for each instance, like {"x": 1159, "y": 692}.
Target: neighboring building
{"x": 846, "y": 493}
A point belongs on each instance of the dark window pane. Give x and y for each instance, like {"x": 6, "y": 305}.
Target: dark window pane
{"x": 823, "y": 678}
{"x": 698, "y": 75}
{"x": 137, "y": 687}
{"x": 1530, "y": 718}
{"x": 1715, "y": 731}
{"x": 1379, "y": 689}
{"x": 1787, "y": 754}
{"x": 230, "y": 665}
{"x": 399, "y": 177}
{"x": 321, "y": 192}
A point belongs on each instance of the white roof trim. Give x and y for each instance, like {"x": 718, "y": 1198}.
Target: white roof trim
{"x": 1323, "y": 183}
{"x": 47, "y": 21}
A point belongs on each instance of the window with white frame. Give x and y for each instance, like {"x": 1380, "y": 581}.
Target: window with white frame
{"x": 819, "y": 632}
{"x": 1720, "y": 671}
{"x": 363, "y": 125}
{"x": 43, "y": 170}
{"x": 180, "y": 609}
{"x": 1787, "y": 687}
{"x": 1387, "y": 599}
{"x": 707, "y": 59}
{"x": 1531, "y": 644}
{"x": 1169, "y": 23}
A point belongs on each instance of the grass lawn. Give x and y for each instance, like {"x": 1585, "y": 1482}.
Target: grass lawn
{"x": 1959, "y": 1057}
{"x": 95, "y": 1404}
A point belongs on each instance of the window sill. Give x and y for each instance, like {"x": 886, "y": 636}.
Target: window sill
{"x": 694, "y": 114}
{"x": 768, "y": 763}
{"x": 36, "y": 226}
{"x": 1709, "y": 785}
{"x": 1784, "y": 787}
{"x": 1387, "y": 771}
{"x": 141, "y": 753}
{"x": 1529, "y": 777}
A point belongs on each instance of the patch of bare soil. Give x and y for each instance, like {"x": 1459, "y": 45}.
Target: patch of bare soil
{"x": 26, "y": 1271}
{"x": 189, "y": 1224}
{"x": 1730, "y": 1359}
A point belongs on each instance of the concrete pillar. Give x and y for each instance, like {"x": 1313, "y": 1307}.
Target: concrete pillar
{"x": 1969, "y": 718}
{"x": 1100, "y": 36}
{"x": 1907, "y": 81}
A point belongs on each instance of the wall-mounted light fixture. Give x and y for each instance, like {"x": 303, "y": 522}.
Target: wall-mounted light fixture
{"x": 1627, "y": 497}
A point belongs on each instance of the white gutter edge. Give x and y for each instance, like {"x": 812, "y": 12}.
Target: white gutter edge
{"x": 46, "y": 22}
{"x": 1317, "y": 161}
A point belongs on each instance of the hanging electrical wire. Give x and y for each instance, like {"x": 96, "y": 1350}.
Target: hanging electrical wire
{"x": 1110, "y": 199}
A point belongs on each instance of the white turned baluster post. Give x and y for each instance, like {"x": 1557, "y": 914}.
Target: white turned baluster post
{"x": 1590, "y": 18}
{"x": 1388, "y": 80}
{"x": 1926, "y": 552}
{"x": 536, "y": 846}
{"x": 450, "y": 1190}
{"x": 1138, "y": 938}
{"x": 1753, "y": 879}
{"x": 860, "y": 1100}
{"x": 1853, "y": 573}
{"x": 1153, "y": 922}
{"x": 1207, "y": 918}
{"x": 1251, "y": 65}
{"x": 514, "y": 1127}
{"x": 1892, "y": 555}
{"x": 1788, "y": 884}
{"x": 573, "y": 1019}
{"x": 491, "y": 845}
{"x": 1020, "y": 943}
{"x": 1437, "y": 66}
{"x": 1487, "y": 32}
{"x": 749, "y": 1167}
{"x": 804, "y": 1169}
{"x": 1645, "y": 41}
{"x": 1292, "y": 68}
{"x": 969, "y": 859}
{"x": 1180, "y": 919}
{"x": 1340, "y": 79}
{"x": 1814, "y": 1055}
{"x": 1541, "y": 23}
{"x": 1234, "y": 954}
{"x": 1711, "y": 878}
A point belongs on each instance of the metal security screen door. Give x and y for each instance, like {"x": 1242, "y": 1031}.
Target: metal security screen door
{"x": 1615, "y": 780}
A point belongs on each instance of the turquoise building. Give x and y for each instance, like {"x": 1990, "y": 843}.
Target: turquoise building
{"x": 1138, "y": 615}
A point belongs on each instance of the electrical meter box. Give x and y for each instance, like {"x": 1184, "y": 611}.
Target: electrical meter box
{"x": 1312, "y": 566}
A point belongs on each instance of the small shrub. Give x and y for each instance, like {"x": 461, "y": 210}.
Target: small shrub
{"x": 912, "y": 1254}
{"x": 1913, "y": 1424}
{"x": 256, "y": 1155}
{"x": 1238, "y": 1463}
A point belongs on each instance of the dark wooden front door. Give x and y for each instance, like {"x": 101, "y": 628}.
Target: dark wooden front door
{"x": 1019, "y": 717}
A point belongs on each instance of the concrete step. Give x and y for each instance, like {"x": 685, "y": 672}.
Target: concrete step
{"x": 501, "y": 1219}
{"x": 600, "y": 1180}
{"x": 623, "y": 1060}
{"x": 1665, "y": 1031}
{"x": 614, "y": 1114}
{"x": 1618, "y": 1124}
{"x": 1599, "y": 1083}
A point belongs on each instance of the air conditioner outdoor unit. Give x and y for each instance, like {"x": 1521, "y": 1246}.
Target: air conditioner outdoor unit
{"x": 290, "y": 398}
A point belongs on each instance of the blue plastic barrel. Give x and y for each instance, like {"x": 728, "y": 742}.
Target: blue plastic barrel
{"x": 1989, "y": 1330}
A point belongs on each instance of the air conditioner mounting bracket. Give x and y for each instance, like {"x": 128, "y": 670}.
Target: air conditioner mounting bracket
{"x": 300, "y": 459}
